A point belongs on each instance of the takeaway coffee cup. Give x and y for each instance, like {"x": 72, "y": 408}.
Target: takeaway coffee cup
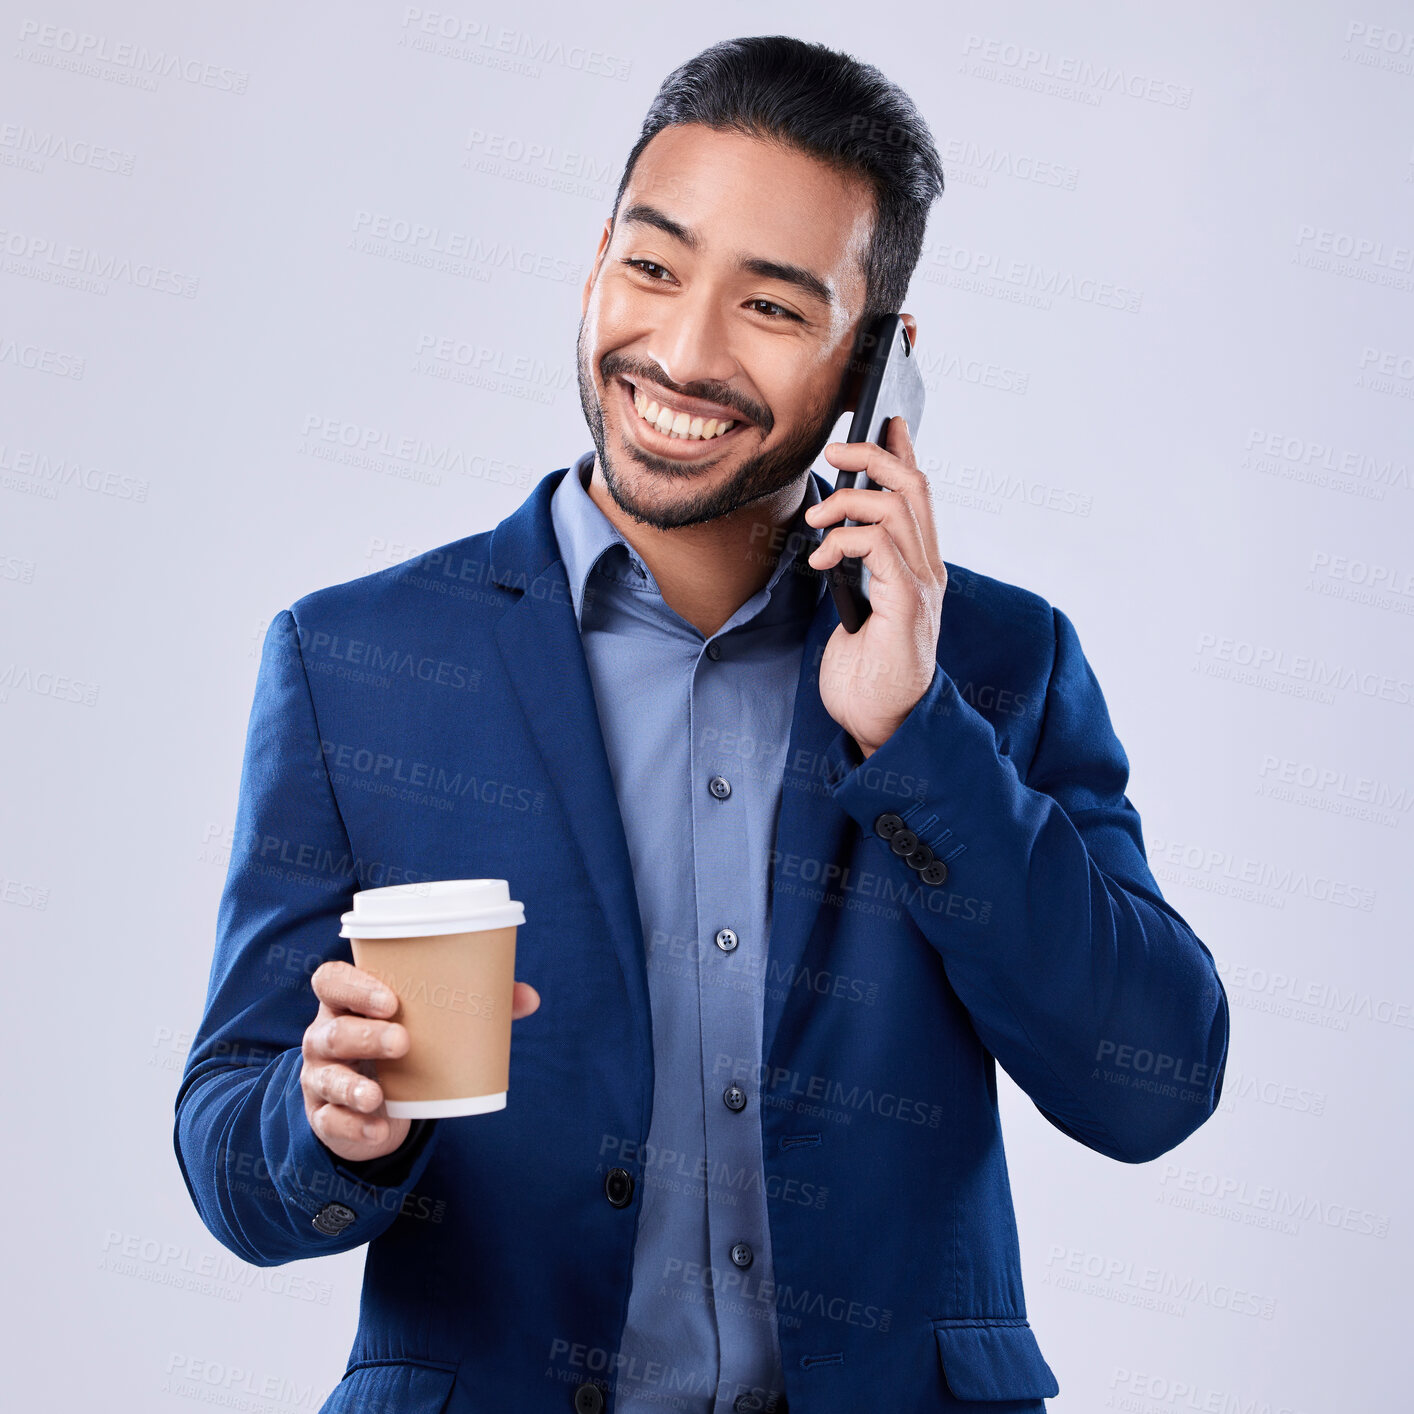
{"x": 448, "y": 950}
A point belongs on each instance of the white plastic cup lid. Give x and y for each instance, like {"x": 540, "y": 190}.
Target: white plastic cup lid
{"x": 438, "y": 906}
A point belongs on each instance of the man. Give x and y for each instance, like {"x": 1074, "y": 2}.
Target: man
{"x": 791, "y": 893}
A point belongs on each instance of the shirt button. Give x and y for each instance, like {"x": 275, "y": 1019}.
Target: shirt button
{"x": 727, "y": 940}
{"x": 746, "y": 1404}
{"x": 734, "y": 1097}
{"x": 720, "y": 786}
{"x": 714, "y": 650}
{"x": 742, "y": 1254}
{"x": 618, "y": 1187}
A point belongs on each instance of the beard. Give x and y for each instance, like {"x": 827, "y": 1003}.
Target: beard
{"x": 759, "y": 476}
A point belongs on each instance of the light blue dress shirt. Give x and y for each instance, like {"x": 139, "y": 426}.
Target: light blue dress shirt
{"x": 696, "y": 732}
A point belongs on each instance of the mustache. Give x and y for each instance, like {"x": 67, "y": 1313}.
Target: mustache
{"x": 613, "y": 364}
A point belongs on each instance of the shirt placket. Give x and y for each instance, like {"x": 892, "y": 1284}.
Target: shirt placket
{"x": 731, "y": 789}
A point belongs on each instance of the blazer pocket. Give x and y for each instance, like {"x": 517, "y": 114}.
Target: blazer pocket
{"x": 392, "y": 1387}
{"x": 993, "y": 1357}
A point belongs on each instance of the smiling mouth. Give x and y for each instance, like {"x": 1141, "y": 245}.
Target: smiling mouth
{"x": 657, "y": 421}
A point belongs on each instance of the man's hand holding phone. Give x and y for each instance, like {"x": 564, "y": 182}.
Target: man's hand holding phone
{"x": 342, "y": 1097}
{"x": 872, "y": 679}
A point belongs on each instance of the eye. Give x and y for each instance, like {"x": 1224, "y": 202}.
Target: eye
{"x": 644, "y": 266}
{"x": 781, "y": 311}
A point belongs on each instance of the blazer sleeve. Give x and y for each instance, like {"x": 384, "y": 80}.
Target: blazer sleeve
{"x": 1090, "y": 990}
{"x": 255, "y": 1169}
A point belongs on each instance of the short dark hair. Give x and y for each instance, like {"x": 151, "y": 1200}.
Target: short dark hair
{"x": 830, "y": 106}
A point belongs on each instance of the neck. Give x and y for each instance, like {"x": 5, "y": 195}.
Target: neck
{"x": 708, "y": 571}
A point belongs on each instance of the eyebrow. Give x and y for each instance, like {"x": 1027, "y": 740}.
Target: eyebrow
{"x": 640, "y": 213}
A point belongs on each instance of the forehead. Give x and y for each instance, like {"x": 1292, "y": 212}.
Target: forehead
{"x": 746, "y": 196}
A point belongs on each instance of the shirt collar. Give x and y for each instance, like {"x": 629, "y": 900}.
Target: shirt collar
{"x": 591, "y": 543}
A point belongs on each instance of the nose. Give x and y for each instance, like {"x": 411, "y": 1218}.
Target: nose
{"x": 691, "y": 343}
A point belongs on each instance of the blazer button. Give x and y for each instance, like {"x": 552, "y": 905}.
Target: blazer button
{"x": 935, "y": 873}
{"x": 618, "y": 1187}
{"x": 333, "y": 1218}
{"x": 888, "y": 825}
{"x": 920, "y": 858}
{"x": 903, "y": 842}
{"x": 588, "y": 1399}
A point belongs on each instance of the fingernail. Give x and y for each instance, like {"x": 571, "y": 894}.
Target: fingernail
{"x": 382, "y": 999}
{"x": 370, "y": 1131}
{"x": 362, "y": 1094}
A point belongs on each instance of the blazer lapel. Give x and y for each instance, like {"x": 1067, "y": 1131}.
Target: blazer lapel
{"x": 539, "y": 643}
{"x": 812, "y": 831}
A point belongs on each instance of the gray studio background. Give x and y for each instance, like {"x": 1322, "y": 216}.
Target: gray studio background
{"x": 302, "y": 302}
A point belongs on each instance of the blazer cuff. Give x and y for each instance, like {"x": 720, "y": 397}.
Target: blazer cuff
{"x": 349, "y": 1203}
{"x": 943, "y": 734}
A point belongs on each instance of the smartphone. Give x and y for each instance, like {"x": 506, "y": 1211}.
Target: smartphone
{"x": 889, "y": 385}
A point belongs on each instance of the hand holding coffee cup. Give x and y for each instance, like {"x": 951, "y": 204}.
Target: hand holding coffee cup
{"x": 446, "y": 982}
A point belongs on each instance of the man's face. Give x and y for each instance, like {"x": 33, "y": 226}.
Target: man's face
{"x": 729, "y": 290}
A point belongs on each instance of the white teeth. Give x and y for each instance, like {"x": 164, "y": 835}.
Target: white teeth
{"x": 679, "y": 424}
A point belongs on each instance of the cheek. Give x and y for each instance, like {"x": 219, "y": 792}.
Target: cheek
{"x": 799, "y": 401}
{"x": 615, "y": 317}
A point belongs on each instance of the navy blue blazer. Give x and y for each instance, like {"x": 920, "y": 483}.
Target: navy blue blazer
{"x": 437, "y": 720}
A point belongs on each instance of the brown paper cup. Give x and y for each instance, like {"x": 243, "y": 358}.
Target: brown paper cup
{"x": 448, "y": 954}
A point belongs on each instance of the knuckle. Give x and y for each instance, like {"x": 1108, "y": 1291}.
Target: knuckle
{"x": 333, "y": 1123}
{"x": 341, "y": 1086}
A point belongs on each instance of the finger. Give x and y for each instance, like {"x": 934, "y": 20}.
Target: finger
{"x": 342, "y": 1085}
{"x": 892, "y": 511}
{"x": 343, "y": 987}
{"x": 870, "y": 543}
{"x": 334, "y": 1122}
{"x": 353, "y": 1037}
{"x": 524, "y": 1000}
{"x": 897, "y": 470}
{"x": 919, "y": 492}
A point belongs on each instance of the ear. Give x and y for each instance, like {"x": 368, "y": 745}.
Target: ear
{"x": 604, "y": 238}
{"x": 911, "y": 324}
